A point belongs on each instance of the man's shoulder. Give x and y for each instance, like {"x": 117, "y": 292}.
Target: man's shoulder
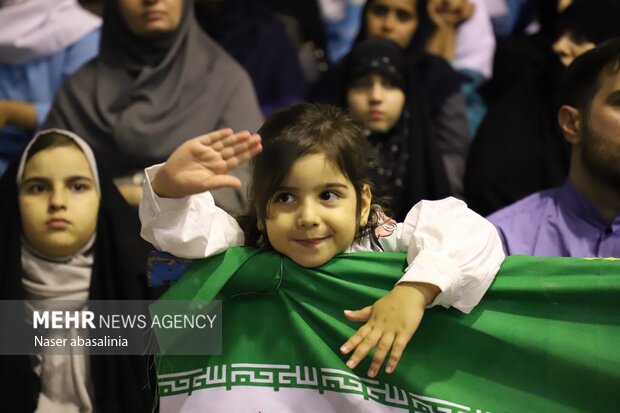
{"x": 520, "y": 224}
{"x": 528, "y": 210}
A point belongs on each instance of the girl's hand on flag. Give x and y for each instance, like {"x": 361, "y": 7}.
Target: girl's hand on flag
{"x": 201, "y": 164}
{"x": 390, "y": 324}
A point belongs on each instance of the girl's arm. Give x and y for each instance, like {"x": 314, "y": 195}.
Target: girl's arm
{"x": 16, "y": 113}
{"x": 450, "y": 246}
{"x": 177, "y": 212}
{"x": 188, "y": 227}
{"x": 453, "y": 255}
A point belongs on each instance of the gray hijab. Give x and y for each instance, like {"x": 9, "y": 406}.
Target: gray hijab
{"x": 141, "y": 98}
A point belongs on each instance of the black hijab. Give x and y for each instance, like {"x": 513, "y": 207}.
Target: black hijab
{"x": 436, "y": 79}
{"x": 411, "y": 168}
{"x": 121, "y": 383}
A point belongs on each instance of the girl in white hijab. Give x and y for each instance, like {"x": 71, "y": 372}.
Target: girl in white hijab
{"x": 69, "y": 236}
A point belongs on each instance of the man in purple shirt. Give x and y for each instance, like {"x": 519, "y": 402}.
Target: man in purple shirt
{"x": 582, "y": 217}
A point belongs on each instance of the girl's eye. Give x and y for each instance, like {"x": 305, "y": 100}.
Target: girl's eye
{"x": 36, "y": 188}
{"x": 387, "y": 83}
{"x": 283, "y": 198}
{"x": 361, "y": 83}
{"x": 329, "y": 196}
{"x": 403, "y": 16}
{"x": 79, "y": 187}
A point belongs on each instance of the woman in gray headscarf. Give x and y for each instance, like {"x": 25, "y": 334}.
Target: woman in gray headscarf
{"x": 158, "y": 81}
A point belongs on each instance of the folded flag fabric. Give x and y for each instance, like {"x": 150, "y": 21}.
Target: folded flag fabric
{"x": 545, "y": 338}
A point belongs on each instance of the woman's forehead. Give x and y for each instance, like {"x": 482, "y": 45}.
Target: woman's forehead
{"x": 404, "y": 4}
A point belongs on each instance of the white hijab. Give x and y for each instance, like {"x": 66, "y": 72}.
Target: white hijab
{"x": 66, "y": 278}
{"x": 32, "y": 29}
{"x": 65, "y": 379}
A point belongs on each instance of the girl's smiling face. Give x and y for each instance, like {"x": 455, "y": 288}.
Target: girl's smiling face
{"x": 58, "y": 201}
{"x": 313, "y": 215}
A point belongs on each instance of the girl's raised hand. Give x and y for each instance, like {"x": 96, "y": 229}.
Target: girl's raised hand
{"x": 201, "y": 163}
{"x": 390, "y": 324}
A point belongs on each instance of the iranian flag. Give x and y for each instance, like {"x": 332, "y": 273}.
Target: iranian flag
{"x": 546, "y": 338}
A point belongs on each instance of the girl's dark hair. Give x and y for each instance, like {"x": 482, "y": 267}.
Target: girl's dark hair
{"x": 298, "y": 131}
{"x": 49, "y": 140}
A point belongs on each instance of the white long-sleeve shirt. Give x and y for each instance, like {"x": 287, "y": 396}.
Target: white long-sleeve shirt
{"x": 447, "y": 244}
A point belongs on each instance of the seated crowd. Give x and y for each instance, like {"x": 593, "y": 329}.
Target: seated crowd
{"x": 515, "y": 113}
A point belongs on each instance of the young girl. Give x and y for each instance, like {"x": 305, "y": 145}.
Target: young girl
{"x": 439, "y": 36}
{"x": 379, "y": 92}
{"x": 311, "y": 199}
{"x": 68, "y": 235}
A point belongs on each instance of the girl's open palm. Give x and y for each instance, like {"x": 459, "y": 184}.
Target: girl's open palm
{"x": 390, "y": 324}
{"x": 201, "y": 164}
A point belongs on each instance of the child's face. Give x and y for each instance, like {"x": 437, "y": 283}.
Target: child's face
{"x": 395, "y": 20}
{"x": 312, "y": 216}
{"x": 58, "y": 201}
{"x": 375, "y": 102}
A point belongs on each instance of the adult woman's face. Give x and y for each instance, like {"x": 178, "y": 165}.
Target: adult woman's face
{"x": 150, "y": 18}
{"x": 395, "y": 20}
